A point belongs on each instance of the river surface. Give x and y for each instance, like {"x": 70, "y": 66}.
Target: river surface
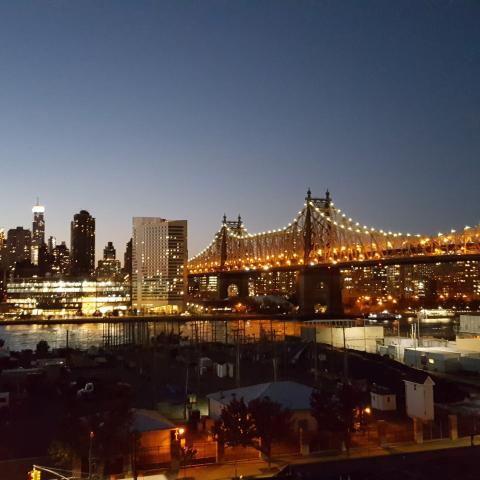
{"x": 86, "y": 335}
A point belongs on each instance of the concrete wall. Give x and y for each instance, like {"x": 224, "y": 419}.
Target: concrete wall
{"x": 356, "y": 338}
{"x": 470, "y": 323}
{"x": 467, "y": 344}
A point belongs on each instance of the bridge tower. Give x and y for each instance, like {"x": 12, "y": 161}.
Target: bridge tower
{"x": 319, "y": 288}
{"x": 230, "y": 283}
{"x": 223, "y": 244}
{"x": 307, "y": 229}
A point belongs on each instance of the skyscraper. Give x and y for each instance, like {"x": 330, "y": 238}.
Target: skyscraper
{"x": 61, "y": 260}
{"x": 109, "y": 267}
{"x": 19, "y": 244}
{"x": 52, "y": 243}
{"x": 82, "y": 244}
{"x": 159, "y": 256}
{"x": 127, "y": 260}
{"x": 38, "y": 231}
{"x": 109, "y": 252}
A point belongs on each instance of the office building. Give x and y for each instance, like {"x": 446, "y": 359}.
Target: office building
{"x": 56, "y": 297}
{"x": 60, "y": 260}
{"x": 109, "y": 267}
{"x": 82, "y": 247}
{"x": 51, "y": 244}
{"x": 18, "y": 246}
{"x": 159, "y": 256}
{"x": 38, "y": 231}
{"x": 127, "y": 260}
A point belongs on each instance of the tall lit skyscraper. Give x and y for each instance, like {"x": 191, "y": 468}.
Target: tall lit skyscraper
{"x": 60, "y": 260}
{"x": 159, "y": 256}
{"x": 19, "y": 244}
{"x": 52, "y": 243}
{"x": 38, "y": 230}
{"x": 82, "y": 240}
{"x": 2, "y": 245}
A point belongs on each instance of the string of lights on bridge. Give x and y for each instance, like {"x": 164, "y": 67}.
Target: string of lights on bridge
{"x": 348, "y": 225}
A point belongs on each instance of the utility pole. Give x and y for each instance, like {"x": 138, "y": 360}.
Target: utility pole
{"x": 237, "y": 366}
{"x": 345, "y": 353}
{"x": 186, "y": 395}
{"x": 92, "y": 434}
{"x": 315, "y": 360}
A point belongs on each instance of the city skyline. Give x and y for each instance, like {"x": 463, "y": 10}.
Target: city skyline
{"x": 162, "y": 109}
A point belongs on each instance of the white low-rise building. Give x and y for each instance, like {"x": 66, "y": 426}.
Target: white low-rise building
{"x": 420, "y": 399}
{"x": 383, "y": 399}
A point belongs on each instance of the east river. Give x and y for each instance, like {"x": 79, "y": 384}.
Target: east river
{"x": 86, "y": 335}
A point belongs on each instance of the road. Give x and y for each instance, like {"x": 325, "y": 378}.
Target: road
{"x": 404, "y": 461}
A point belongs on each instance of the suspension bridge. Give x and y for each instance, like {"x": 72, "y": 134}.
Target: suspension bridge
{"x": 319, "y": 241}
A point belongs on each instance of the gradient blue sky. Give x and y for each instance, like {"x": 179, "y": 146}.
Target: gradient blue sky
{"x": 189, "y": 109}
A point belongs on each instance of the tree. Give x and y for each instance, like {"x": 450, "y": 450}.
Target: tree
{"x": 42, "y": 348}
{"x": 338, "y": 411}
{"x": 108, "y": 416}
{"x": 235, "y": 427}
{"x": 256, "y": 425}
{"x": 271, "y": 422}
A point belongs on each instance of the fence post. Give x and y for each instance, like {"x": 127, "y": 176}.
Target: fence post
{"x": 219, "y": 451}
{"x": 417, "y": 430}
{"x": 382, "y": 432}
{"x": 453, "y": 427}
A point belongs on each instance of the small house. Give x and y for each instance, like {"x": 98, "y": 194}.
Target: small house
{"x": 156, "y": 433}
{"x": 291, "y": 395}
{"x": 419, "y": 398}
{"x": 383, "y": 399}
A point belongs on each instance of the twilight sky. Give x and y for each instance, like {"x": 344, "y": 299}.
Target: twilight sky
{"x": 189, "y": 109}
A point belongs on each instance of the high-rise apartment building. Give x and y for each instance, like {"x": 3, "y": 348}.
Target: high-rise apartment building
{"x": 159, "y": 257}
{"x": 38, "y": 231}
{"x": 3, "y": 246}
{"x": 19, "y": 244}
{"x": 82, "y": 247}
{"x": 51, "y": 244}
{"x": 61, "y": 260}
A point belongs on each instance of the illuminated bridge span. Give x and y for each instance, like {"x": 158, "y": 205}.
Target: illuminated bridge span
{"x": 318, "y": 242}
{"x": 321, "y": 234}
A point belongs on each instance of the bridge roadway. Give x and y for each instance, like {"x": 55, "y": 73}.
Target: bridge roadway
{"x": 412, "y": 260}
{"x": 321, "y": 283}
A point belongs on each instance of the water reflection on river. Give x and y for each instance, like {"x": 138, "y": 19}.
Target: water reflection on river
{"x": 19, "y": 337}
